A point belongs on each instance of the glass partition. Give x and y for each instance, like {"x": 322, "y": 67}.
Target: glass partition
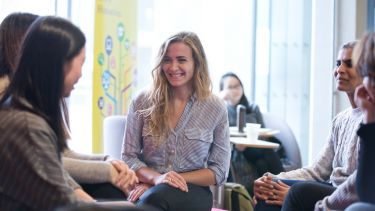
{"x": 282, "y": 63}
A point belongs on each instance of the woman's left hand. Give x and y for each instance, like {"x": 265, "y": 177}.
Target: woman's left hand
{"x": 278, "y": 193}
{"x": 173, "y": 179}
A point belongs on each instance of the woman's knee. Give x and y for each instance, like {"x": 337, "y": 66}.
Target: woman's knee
{"x": 155, "y": 195}
{"x": 360, "y": 206}
{"x": 299, "y": 188}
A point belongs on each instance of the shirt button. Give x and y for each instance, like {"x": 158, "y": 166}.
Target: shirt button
{"x": 169, "y": 166}
{"x": 172, "y": 151}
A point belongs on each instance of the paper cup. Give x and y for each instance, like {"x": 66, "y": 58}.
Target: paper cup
{"x": 252, "y": 131}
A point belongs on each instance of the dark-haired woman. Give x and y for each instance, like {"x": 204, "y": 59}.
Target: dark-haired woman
{"x": 264, "y": 160}
{"x": 12, "y": 32}
{"x": 100, "y": 176}
{"x": 32, "y": 128}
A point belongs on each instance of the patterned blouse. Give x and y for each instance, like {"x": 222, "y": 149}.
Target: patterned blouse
{"x": 200, "y": 139}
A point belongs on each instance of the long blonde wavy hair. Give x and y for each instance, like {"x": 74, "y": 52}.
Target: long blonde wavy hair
{"x": 157, "y": 114}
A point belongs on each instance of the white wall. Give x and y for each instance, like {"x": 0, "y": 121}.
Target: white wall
{"x": 321, "y": 75}
{"x": 349, "y": 23}
{"x": 224, "y": 27}
{"x": 351, "y": 17}
{"x": 39, "y": 7}
{"x": 80, "y": 108}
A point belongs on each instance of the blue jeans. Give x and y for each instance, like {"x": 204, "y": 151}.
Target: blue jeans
{"x": 167, "y": 198}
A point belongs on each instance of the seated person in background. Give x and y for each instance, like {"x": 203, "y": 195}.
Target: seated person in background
{"x": 231, "y": 91}
{"x": 12, "y": 32}
{"x": 32, "y": 130}
{"x": 264, "y": 160}
{"x": 345, "y": 195}
{"x": 333, "y": 166}
{"x": 177, "y": 136}
{"x": 95, "y": 175}
{"x": 364, "y": 60}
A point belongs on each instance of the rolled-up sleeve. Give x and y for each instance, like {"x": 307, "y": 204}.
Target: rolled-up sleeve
{"x": 219, "y": 159}
{"x": 132, "y": 143}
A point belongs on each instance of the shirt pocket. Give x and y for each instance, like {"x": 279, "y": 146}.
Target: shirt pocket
{"x": 152, "y": 150}
{"x": 195, "y": 148}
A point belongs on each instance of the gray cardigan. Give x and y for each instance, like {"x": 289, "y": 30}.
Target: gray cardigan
{"x": 87, "y": 168}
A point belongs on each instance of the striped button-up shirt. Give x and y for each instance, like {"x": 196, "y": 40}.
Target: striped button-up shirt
{"x": 200, "y": 139}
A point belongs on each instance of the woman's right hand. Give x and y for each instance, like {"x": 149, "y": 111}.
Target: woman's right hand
{"x": 263, "y": 187}
{"x": 173, "y": 179}
{"x": 123, "y": 177}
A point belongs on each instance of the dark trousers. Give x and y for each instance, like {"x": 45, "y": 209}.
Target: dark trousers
{"x": 101, "y": 207}
{"x": 104, "y": 191}
{"x": 167, "y": 198}
{"x": 302, "y": 195}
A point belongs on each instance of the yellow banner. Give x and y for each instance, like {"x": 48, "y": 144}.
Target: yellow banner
{"x": 114, "y": 61}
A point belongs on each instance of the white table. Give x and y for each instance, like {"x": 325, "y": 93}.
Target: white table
{"x": 254, "y": 144}
{"x": 263, "y": 132}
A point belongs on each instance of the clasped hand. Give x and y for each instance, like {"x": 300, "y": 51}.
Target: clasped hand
{"x": 171, "y": 178}
{"x": 123, "y": 177}
{"x": 272, "y": 192}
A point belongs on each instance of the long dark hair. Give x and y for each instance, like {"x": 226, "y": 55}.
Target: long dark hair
{"x": 12, "y": 31}
{"x": 50, "y": 43}
{"x": 243, "y": 99}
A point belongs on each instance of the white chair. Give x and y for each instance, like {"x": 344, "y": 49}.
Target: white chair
{"x": 287, "y": 139}
{"x": 113, "y": 135}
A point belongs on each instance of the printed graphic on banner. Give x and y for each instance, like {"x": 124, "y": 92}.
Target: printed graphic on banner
{"x": 114, "y": 61}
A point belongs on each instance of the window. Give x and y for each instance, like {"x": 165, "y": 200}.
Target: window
{"x": 9, "y": 6}
{"x": 282, "y": 63}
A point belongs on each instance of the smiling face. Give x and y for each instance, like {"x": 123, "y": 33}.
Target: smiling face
{"x": 347, "y": 78}
{"x": 73, "y": 72}
{"x": 178, "y": 65}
